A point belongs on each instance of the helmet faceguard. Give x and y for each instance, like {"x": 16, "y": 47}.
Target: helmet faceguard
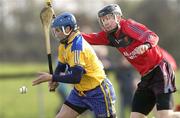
{"x": 109, "y": 22}
{"x": 108, "y": 17}
{"x": 60, "y": 24}
{"x": 60, "y": 34}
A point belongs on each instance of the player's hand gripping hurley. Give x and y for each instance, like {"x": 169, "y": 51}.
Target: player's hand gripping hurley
{"x": 46, "y": 15}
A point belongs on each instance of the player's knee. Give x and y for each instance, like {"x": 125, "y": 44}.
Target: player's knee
{"x": 165, "y": 113}
{"x": 176, "y": 115}
{"x": 58, "y": 116}
{"x": 62, "y": 115}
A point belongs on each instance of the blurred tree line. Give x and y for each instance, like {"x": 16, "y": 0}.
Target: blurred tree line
{"x": 22, "y": 38}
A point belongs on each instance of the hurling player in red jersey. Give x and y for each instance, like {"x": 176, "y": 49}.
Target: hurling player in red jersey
{"x": 139, "y": 46}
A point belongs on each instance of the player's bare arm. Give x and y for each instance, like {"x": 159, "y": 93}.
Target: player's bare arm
{"x": 42, "y": 77}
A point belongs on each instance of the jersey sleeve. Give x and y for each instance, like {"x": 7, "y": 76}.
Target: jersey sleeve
{"x": 99, "y": 38}
{"x": 60, "y": 54}
{"x": 60, "y": 68}
{"x": 140, "y": 32}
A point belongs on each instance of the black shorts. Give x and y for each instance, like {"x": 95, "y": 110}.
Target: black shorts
{"x": 155, "y": 88}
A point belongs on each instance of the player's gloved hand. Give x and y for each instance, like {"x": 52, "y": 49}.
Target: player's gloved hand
{"x": 42, "y": 77}
{"x": 52, "y": 85}
{"x": 142, "y": 49}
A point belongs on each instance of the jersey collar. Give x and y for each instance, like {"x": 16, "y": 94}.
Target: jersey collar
{"x": 72, "y": 37}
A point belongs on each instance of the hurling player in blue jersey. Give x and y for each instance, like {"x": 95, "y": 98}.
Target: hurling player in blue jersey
{"x": 92, "y": 90}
